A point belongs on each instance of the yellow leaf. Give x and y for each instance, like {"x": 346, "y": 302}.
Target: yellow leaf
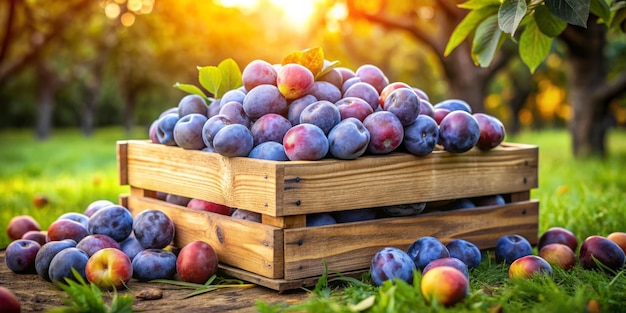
{"x": 313, "y": 59}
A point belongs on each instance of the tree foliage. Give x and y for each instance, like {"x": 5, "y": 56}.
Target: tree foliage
{"x": 532, "y": 24}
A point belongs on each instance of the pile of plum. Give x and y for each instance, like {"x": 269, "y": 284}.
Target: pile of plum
{"x": 106, "y": 246}
{"x": 283, "y": 112}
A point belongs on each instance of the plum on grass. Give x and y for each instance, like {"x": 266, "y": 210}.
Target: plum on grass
{"x": 349, "y": 139}
{"x": 152, "y": 264}
{"x": 445, "y": 285}
{"x": 386, "y": 132}
{"x": 465, "y": 251}
{"x": 391, "y": 263}
{"x": 233, "y": 140}
{"x": 449, "y": 261}
{"x": 512, "y": 247}
{"x": 558, "y": 234}
{"x": 458, "y": 131}
{"x": 528, "y": 266}
{"x": 420, "y": 138}
{"x": 305, "y": 142}
{"x": 597, "y": 252}
{"x": 558, "y": 254}
{"x": 19, "y": 225}
{"x": 47, "y": 252}
{"x": 114, "y": 221}
{"x": 20, "y": 256}
{"x": 425, "y": 250}
{"x": 153, "y": 229}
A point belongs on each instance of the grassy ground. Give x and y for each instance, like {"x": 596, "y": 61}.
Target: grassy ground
{"x": 586, "y": 197}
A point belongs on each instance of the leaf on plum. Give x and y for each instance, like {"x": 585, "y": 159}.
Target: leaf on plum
{"x": 192, "y": 89}
{"x": 312, "y": 58}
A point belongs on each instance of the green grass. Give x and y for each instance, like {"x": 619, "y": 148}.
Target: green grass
{"x": 69, "y": 169}
{"x": 586, "y": 197}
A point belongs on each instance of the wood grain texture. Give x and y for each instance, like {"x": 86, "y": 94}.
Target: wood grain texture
{"x": 351, "y": 246}
{"x": 302, "y": 187}
{"x": 254, "y": 247}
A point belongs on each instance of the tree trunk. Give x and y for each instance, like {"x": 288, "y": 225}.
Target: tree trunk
{"x": 591, "y": 119}
{"x": 47, "y": 86}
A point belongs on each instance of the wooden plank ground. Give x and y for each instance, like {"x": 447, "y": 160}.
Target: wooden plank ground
{"x": 37, "y": 295}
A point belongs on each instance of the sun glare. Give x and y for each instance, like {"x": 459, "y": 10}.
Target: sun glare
{"x": 297, "y": 13}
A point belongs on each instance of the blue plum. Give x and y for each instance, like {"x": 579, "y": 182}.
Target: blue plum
{"x": 386, "y": 132}
{"x": 212, "y": 125}
{"x": 454, "y": 105}
{"x": 421, "y": 137}
{"x": 47, "y": 252}
{"x": 324, "y": 114}
{"x": 323, "y": 90}
{"x": 77, "y": 217}
{"x": 153, "y": 229}
{"x": 269, "y": 150}
{"x": 305, "y": 142}
{"x": 405, "y": 104}
{"x": 20, "y": 255}
{"x": 233, "y": 140}
{"x": 296, "y": 106}
{"x": 188, "y": 131}
{"x": 458, "y": 131}
{"x": 356, "y": 215}
{"x": 236, "y": 114}
{"x": 264, "y": 99}
{"x": 512, "y": 247}
{"x": 192, "y": 104}
{"x": 165, "y": 129}
{"x": 465, "y": 251}
{"x": 93, "y": 243}
{"x": 64, "y": 261}
{"x": 391, "y": 263}
{"x": 319, "y": 219}
{"x": 349, "y": 139}
{"x": 425, "y": 250}
{"x": 152, "y": 264}
{"x": 270, "y": 127}
{"x": 131, "y": 246}
{"x": 114, "y": 221}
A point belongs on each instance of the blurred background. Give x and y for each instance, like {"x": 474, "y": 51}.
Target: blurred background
{"x": 88, "y": 64}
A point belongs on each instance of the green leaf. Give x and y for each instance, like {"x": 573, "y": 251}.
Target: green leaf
{"x": 510, "y": 15}
{"x": 210, "y": 78}
{"x": 601, "y": 9}
{"x": 534, "y": 46}
{"x": 618, "y": 16}
{"x": 468, "y": 26}
{"x": 486, "y": 41}
{"x": 192, "y": 89}
{"x": 548, "y": 23}
{"x": 575, "y": 12}
{"x": 230, "y": 77}
{"x": 478, "y": 4}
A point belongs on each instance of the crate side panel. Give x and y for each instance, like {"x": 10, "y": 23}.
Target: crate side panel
{"x": 374, "y": 181}
{"x": 351, "y": 246}
{"x": 253, "y": 247}
{"x": 236, "y": 182}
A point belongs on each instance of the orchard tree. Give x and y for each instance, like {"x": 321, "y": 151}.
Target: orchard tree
{"x": 582, "y": 26}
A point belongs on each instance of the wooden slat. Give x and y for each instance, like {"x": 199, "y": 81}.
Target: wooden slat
{"x": 122, "y": 162}
{"x": 302, "y": 187}
{"x": 251, "y": 246}
{"x": 402, "y": 178}
{"x": 350, "y": 246}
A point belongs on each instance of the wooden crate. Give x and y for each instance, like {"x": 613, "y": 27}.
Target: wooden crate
{"x": 281, "y": 253}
